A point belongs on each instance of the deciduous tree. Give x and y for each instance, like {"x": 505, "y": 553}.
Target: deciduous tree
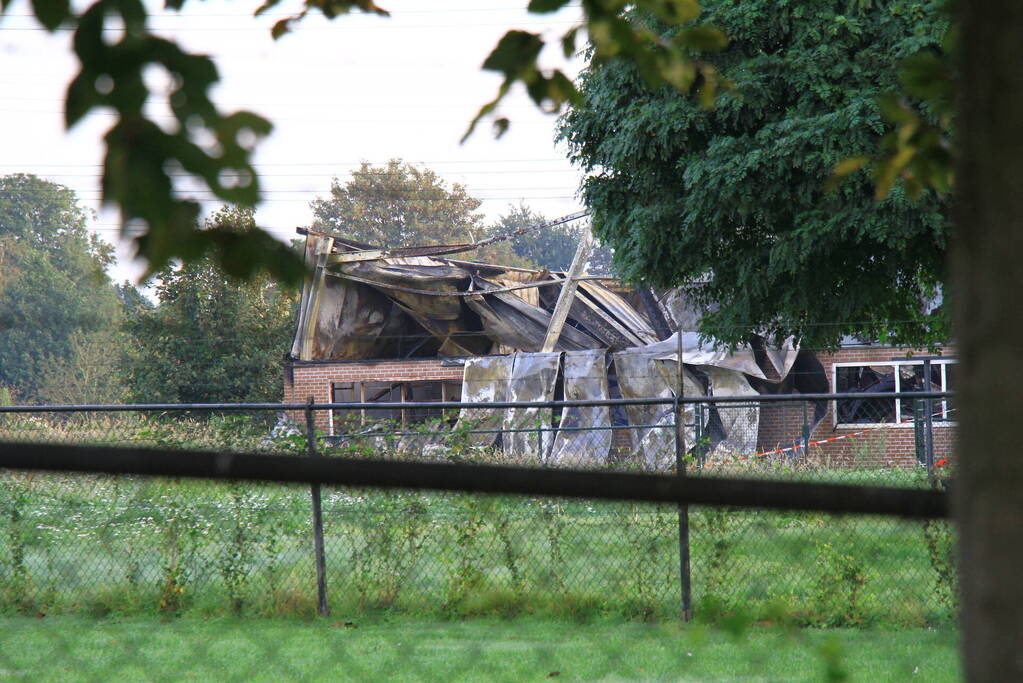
{"x": 54, "y": 291}
{"x": 404, "y": 205}
{"x": 215, "y": 148}
{"x": 398, "y": 205}
{"x": 553, "y": 247}
{"x": 211, "y": 338}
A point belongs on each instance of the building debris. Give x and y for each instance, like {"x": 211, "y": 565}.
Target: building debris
{"x": 526, "y": 335}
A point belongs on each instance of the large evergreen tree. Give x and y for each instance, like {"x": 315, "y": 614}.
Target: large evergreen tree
{"x": 735, "y": 197}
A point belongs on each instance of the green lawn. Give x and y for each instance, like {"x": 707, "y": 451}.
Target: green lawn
{"x": 102, "y": 546}
{"x": 76, "y": 648}
{"x": 135, "y": 547}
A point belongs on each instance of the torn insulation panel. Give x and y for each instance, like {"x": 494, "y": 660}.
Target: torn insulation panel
{"x": 527, "y": 431}
{"x": 485, "y": 380}
{"x": 584, "y": 432}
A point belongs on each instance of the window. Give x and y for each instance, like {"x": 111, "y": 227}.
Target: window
{"x": 391, "y": 392}
{"x": 430, "y": 392}
{"x": 894, "y": 377}
{"x": 342, "y": 421}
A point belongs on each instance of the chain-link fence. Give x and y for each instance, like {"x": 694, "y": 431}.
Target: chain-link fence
{"x": 99, "y": 545}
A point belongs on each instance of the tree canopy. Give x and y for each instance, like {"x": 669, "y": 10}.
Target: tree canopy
{"x": 404, "y": 205}
{"x": 212, "y": 338}
{"x": 398, "y": 205}
{"x": 553, "y": 247}
{"x": 55, "y": 297}
{"x": 733, "y": 197}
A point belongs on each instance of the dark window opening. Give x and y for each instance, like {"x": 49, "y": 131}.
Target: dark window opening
{"x": 865, "y": 379}
{"x": 897, "y": 377}
{"x": 392, "y": 392}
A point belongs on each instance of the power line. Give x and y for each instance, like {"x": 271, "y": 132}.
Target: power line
{"x": 332, "y": 176}
{"x": 338, "y": 27}
{"x": 403, "y": 12}
{"x": 417, "y": 195}
{"x": 350, "y": 163}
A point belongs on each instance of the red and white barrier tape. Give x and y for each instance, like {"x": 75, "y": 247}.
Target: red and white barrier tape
{"x": 940, "y": 463}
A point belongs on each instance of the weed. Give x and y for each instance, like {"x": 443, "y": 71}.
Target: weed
{"x": 939, "y": 537}
{"x": 646, "y": 528}
{"x": 838, "y": 587}
{"x": 502, "y": 526}
{"x": 179, "y": 535}
{"x": 554, "y": 527}
{"x": 235, "y": 560}
{"x": 466, "y": 576}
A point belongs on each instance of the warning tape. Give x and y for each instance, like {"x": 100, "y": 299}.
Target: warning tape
{"x": 832, "y": 439}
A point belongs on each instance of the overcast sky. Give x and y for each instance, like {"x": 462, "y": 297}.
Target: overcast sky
{"x": 358, "y": 88}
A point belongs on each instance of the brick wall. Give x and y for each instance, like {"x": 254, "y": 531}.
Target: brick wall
{"x": 303, "y": 379}
{"x": 887, "y": 446}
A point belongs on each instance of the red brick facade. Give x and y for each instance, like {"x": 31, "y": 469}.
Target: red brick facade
{"x": 779, "y": 425}
{"x": 879, "y": 446}
{"x": 305, "y": 379}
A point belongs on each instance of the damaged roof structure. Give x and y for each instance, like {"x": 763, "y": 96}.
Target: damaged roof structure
{"x": 537, "y": 335}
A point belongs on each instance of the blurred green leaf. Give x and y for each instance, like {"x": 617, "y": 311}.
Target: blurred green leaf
{"x": 844, "y": 168}
{"x": 51, "y": 13}
{"x": 267, "y": 5}
{"x": 927, "y": 75}
{"x": 546, "y": 6}
{"x": 514, "y": 54}
{"x": 673, "y": 11}
{"x": 568, "y": 42}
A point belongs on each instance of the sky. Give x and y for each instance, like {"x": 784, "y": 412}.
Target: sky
{"x": 360, "y": 88}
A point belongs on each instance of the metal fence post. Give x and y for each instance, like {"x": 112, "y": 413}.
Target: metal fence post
{"x": 806, "y": 432}
{"x": 698, "y": 447}
{"x": 685, "y": 579}
{"x": 321, "y": 560}
{"x": 918, "y": 431}
{"x": 929, "y": 421}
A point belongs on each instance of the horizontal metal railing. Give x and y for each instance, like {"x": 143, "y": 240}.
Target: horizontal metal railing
{"x": 478, "y": 478}
{"x": 451, "y": 405}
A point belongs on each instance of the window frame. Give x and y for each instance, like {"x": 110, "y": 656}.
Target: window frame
{"x": 449, "y": 388}
{"x": 941, "y": 417}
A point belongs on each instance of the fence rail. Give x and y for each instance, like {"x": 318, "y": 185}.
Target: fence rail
{"x": 684, "y": 400}
{"x": 480, "y": 478}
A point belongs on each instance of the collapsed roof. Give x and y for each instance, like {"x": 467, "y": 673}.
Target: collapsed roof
{"x": 363, "y": 302}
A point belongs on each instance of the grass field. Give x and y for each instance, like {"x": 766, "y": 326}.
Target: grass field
{"x": 79, "y": 649}
{"x": 127, "y": 546}
{"x": 122, "y": 546}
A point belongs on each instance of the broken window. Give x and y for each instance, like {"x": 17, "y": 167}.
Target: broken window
{"x": 893, "y": 377}
{"x": 431, "y": 392}
{"x": 949, "y": 382}
{"x": 343, "y": 421}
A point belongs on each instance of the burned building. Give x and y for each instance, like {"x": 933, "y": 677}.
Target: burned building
{"x": 421, "y": 325}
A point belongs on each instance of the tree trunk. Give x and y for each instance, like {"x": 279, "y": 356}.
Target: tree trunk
{"x": 987, "y": 285}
